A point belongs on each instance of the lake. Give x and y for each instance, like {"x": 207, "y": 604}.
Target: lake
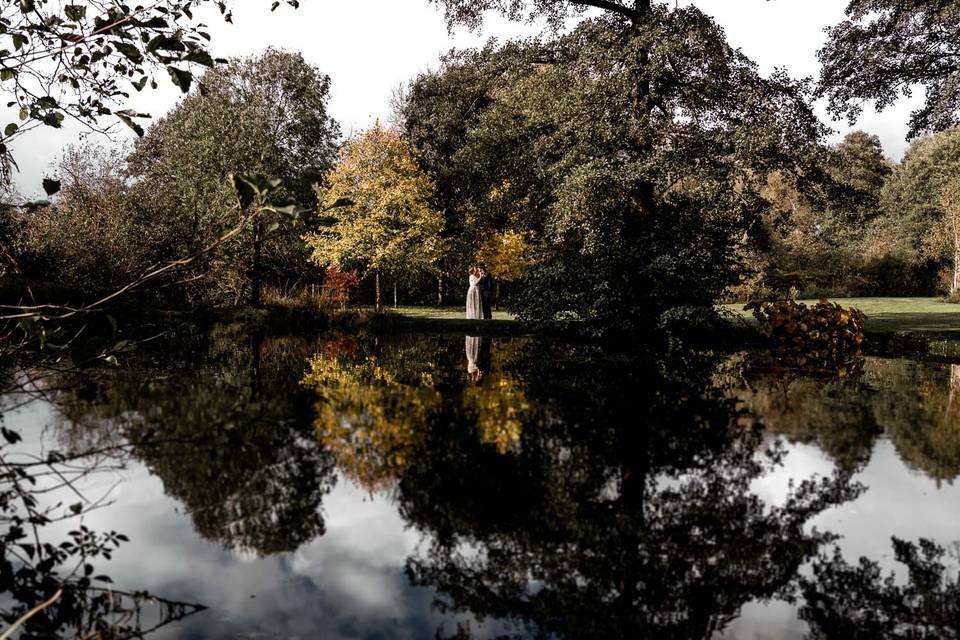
{"x": 421, "y": 486}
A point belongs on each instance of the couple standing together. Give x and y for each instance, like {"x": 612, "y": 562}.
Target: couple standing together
{"x": 480, "y": 294}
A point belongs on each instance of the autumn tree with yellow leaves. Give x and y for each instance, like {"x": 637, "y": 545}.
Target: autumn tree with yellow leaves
{"x": 389, "y": 226}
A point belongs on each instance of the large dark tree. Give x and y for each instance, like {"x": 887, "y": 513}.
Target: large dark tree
{"x": 265, "y": 114}
{"x": 630, "y": 147}
{"x": 884, "y": 49}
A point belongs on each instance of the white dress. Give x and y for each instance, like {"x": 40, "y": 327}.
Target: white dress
{"x": 472, "y": 348}
{"x": 474, "y": 308}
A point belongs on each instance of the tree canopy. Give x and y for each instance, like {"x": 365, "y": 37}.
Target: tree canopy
{"x": 389, "y": 224}
{"x": 633, "y": 155}
{"x": 265, "y": 114}
{"x": 884, "y": 49}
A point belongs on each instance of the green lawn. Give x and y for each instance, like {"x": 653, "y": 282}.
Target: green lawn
{"x": 895, "y": 314}
{"x": 443, "y": 313}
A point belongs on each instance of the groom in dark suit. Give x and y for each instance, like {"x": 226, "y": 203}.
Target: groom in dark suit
{"x": 486, "y": 292}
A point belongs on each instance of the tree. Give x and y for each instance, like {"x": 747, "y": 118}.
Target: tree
{"x": 859, "y": 168}
{"x": 389, "y": 225}
{"x": 944, "y": 238}
{"x": 263, "y": 115}
{"x": 632, "y": 146}
{"x": 884, "y": 49}
{"x": 913, "y": 197}
{"x": 93, "y": 236}
{"x": 78, "y": 60}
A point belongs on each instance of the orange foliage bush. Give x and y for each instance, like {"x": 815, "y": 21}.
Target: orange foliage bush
{"x": 824, "y": 335}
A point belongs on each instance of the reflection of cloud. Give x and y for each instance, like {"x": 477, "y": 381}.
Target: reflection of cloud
{"x": 348, "y": 583}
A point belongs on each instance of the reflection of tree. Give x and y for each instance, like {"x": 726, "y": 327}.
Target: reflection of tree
{"x": 833, "y": 412}
{"x": 916, "y": 404}
{"x": 377, "y": 399}
{"x": 925, "y": 424}
{"x": 858, "y": 601}
{"x": 225, "y": 434}
{"x": 370, "y": 414}
{"x": 625, "y": 510}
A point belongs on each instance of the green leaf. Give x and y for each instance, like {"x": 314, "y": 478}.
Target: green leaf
{"x": 24, "y": 113}
{"x": 27, "y": 6}
{"x": 140, "y": 84}
{"x": 165, "y": 43}
{"x": 19, "y": 41}
{"x": 51, "y": 186}
{"x": 199, "y": 56}
{"x": 53, "y": 119}
{"x": 245, "y": 192}
{"x": 127, "y": 120}
{"x": 11, "y": 129}
{"x": 180, "y": 78}
{"x": 129, "y": 51}
{"x": 75, "y": 12}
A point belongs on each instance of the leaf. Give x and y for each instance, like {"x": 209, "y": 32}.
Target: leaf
{"x": 51, "y": 186}
{"x": 181, "y": 78}
{"x": 19, "y": 41}
{"x": 130, "y": 51}
{"x": 199, "y": 56}
{"x": 77, "y": 507}
{"x": 26, "y": 6}
{"x": 11, "y": 437}
{"x": 165, "y": 43}
{"x": 75, "y": 12}
{"x": 11, "y": 129}
{"x": 127, "y": 120}
{"x": 245, "y": 192}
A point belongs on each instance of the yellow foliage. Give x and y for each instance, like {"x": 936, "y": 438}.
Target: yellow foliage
{"x": 508, "y": 255}
{"x": 371, "y": 421}
{"x": 390, "y": 226}
{"x": 500, "y": 405}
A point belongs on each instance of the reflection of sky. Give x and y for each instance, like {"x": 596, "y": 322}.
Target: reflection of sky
{"x": 347, "y": 584}
{"x": 350, "y": 582}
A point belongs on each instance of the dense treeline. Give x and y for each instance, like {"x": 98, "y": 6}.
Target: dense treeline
{"x": 610, "y": 174}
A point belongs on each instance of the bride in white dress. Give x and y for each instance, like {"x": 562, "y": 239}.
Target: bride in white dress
{"x": 474, "y": 308}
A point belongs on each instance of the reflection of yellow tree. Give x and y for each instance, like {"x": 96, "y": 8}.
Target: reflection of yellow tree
{"x": 499, "y": 404}
{"x": 369, "y": 418}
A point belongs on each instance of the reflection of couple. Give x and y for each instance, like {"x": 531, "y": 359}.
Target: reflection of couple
{"x": 478, "y": 357}
{"x": 480, "y": 294}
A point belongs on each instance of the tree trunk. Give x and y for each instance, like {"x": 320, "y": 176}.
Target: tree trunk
{"x": 956, "y": 269}
{"x": 440, "y": 291}
{"x": 394, "y": 294}
{"x": 257, "y": 254}
{"x": 496, "y": 296}
{"x": 376, "y": 280}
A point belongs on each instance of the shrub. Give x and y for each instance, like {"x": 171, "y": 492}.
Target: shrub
{"x": 824, "y": 336}
{"x": 340, "y": 286}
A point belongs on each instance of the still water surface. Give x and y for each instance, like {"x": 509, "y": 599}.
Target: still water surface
{"x": 443, "y": 486}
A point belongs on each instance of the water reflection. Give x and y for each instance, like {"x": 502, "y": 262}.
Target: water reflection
{"x": 226, "y": 431}
{"x": 915, "y": 405}
{"x": 570, "y": 492}
{"x": 554, "y": 490}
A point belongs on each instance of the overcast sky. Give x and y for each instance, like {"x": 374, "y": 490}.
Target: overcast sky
{"x": 369, "y": 47}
